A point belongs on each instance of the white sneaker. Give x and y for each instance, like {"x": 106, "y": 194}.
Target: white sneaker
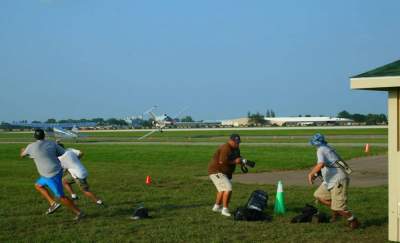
{"x": 217, "y": 208}
{"x": 225, "y": 212}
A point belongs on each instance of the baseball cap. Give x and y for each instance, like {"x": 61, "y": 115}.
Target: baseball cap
{"x": 235, "y": 137}
{"x": 318, "y": 139}
{"x": 39, "y": 134}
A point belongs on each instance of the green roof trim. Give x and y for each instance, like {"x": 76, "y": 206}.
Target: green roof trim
{"x": 391, "y": 69}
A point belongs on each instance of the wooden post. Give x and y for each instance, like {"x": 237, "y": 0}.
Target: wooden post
{"x": 393, "y": 163}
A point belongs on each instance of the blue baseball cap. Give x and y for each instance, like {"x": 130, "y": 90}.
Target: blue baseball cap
{"x": 318, "y": 139}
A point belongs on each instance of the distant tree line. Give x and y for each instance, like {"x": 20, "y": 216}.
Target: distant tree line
{"x": 270, "y": 113}
{"x": 369, "y": 119}
{"x": 98, "y": 121}
{"x": 256, "y": 119}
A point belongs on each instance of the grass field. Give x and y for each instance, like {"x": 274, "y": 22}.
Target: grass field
{"x": 179, "y": 199}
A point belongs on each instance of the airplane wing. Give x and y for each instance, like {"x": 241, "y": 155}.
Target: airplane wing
{"x": 148, "y": 134}
{"x": 150, "y": 112}
{"x": 152, "y": 115}
{"x": 62, "y": 133}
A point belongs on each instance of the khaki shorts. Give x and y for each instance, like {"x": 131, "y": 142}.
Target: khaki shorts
{"x": 83, "y": 184}
{"x": 221, "y": 182}
{"x": 337, "y": 195}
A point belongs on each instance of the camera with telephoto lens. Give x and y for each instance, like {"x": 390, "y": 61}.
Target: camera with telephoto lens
{"x": 246, "y": 163}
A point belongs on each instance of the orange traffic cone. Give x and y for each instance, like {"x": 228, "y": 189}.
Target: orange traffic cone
{"x": 366, "y": 148}
{"x": 148, "y": 180}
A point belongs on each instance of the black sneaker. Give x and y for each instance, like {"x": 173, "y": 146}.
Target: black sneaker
{"x": 53, "y": 208}
{"x": 79, "y": 216}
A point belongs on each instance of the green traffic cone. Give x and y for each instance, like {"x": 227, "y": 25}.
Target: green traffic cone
{"x": 280, "y": 200}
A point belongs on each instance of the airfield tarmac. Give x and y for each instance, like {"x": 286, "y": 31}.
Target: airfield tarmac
{"x": 367, "y": 172}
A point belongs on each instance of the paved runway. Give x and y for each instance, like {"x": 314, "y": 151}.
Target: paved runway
{"x": 367, "y": 172}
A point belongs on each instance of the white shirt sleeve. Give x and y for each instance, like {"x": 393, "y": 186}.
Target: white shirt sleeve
{"x": 320, "y": 156}
{"x": 76, "y": 151}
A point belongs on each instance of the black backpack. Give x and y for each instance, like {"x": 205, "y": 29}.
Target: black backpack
{"x": 254, "y": 209}
{"x": 308, "y": 213}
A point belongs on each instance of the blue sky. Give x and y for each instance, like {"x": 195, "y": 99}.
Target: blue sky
{"x": 93, "y": 58}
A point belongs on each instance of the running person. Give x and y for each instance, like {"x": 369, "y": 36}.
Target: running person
{"x": 333, "y": 190}
{"x": 76, "y": 173}
{"x": 44, "y": 153}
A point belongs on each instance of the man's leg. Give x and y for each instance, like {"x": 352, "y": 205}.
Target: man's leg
{"x": 226, "y": 198}
{"x": 70, "y": 204}
{"x": 68, "y": 180}
{"x": 68, "y": 187}
{"x": 323, "y": 195}
{"x": 91, "y": 196}
{"x": 45, "y": 193}
{"x": 56, "y": 186}
{"x": 339, "y": 203}
{"x": 216, "y": 179}
{"x": 218, "y": 199}
{"x": 84, "y": 185}
{"x": 324, "y": 201}
{"x": 328, "y": 203}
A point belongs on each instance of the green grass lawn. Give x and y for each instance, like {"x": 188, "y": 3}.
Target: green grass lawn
{"x": 179, "y": 201}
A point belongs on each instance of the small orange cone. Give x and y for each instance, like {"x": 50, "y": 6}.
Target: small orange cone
{"x": 366, "y": 148}
{"x": 148, "y": 180}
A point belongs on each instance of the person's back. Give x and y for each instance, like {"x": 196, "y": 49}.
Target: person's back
{"x": 70, "y": 161}
{"x": 45, "y": 155}
{"x": 330, "y": 172}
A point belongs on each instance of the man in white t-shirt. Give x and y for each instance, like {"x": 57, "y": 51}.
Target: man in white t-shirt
{"x": 75, "y": 172}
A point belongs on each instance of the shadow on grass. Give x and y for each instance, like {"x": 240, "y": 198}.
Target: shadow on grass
{"x": 375, "y": 222}
{"x": 128, "y": 211}
{"x": 177, "y": 207}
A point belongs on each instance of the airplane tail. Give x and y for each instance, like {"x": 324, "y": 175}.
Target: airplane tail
{"x": 75, "y": 129}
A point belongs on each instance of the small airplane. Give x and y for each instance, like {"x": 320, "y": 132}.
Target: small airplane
{"x": 160, "y": 122}
{"x": 59, "y": 132}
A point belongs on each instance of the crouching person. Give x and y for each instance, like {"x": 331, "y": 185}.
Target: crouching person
{"x": 220, "y": 171}
{"x": 75, "y": 172}
{"x": 333, "y": 190}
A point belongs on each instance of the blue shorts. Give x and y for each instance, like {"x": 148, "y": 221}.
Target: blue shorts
{"x": 54, "y": 183}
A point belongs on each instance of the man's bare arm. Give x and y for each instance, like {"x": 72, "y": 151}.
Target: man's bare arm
{"x": 314, "y": 170}
{"x": 22, "y": 153}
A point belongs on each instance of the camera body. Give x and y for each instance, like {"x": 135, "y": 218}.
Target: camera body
{"x": 248, "y": 163}
{"x": 245, "y": 164}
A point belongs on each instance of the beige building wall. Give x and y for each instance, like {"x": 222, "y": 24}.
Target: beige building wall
{"x": 236, "y": 122}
